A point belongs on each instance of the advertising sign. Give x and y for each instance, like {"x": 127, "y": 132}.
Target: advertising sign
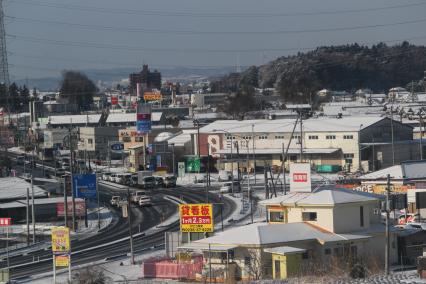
{"x": 116, "y": 147}
{"x": 181, "y": 169}
{"x": 60, "y": 240}
{"x": 114, "y": 100}
{"x": 80, "y": 208}
{"x": 300, "y": 177}
{"x": 4, "y": 222}
{"x": 143, "y": 118}
{"x": 62, "y": 261}
{"x": 84, "y": 185}
{"x": 196, "y": 218}
{"x": 150, "y": 96}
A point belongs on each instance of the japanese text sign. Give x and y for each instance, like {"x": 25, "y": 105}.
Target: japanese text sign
{"x": 196, "y": 218}
{"x": 4, "y": 222}
{"x": 62, "y": 260}
{"x": 60, "y": 240}
{"x": 300, "y": 177}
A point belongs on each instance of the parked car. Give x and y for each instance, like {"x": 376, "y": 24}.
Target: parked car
{"x": 136, "y": 195}
{"x": 115, "y": 200}
{"x": 66, "y": 166}
{"x": 227, "y": 187}
{"x": 159, "y": 181}
{"x": 126, "y": 179}
{"x": 112, "y": 177}
{"x": 134, "y": 180}
{"x": 119, "y": 178}
{"x": 105, "y": 176}
{"x": 170, "y": 181}
{"x": 145, "y": 201}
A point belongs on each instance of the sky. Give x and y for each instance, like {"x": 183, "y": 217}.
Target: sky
{"x": 45, "y": 37}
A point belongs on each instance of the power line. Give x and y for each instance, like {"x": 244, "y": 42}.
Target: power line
{"x": 232, "y": 15}
{"x": 209, "y": 33}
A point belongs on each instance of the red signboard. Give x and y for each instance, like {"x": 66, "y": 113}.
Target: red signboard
{"x": 300, "y": 177}
{"x": 4, "y": 222}
{"x": 114, "y": 100}
{"x": 143, "y": 116}
{"x": 80, "y": 208}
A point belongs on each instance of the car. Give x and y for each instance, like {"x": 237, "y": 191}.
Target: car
{"x": 20, "y": 160}
{"x": 112, "y": 177}
{"x": 159, "y": 181}
{"x": 170, "y": 181}
{"x": 126, "y": 179}
{"x": 227, "y": 187}
{"x": 147, "y": 182}
{"x": 144, "y": 201}
{"x": 136, "y": 195}
{"x": 134, "y": 180}
{"x": 119, "y": 178}
{"x": 66, "y": 166}
{"x": 60, "y": 172}
{"x": 115, "y": 200}
{"x": 224, "y": 175}
{"x": 105, "y": 176}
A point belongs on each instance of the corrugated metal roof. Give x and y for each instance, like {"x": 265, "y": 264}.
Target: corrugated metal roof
{"x": 74, "y": 119}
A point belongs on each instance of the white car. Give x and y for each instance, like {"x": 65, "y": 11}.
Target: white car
{"x": 105, "y": 176}
{"x": 145, "y": 201}
{"x": 118, "y": 178}
{"x": 112, "y": 177}
{"x": 115, "y": 200}
{"x": 137, "y": 195}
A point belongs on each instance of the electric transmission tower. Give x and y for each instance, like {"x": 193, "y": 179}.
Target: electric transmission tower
{"x": 4, "y": 67}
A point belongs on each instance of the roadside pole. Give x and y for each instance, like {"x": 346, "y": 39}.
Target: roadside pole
{"x": 33, "y": 208}
{"x": 54, "y": 268}
{"x": 7, "y": 246}
{"x": 387, "y": 226}
{"x": 129, "y": 214}
{"x": 97, "y": 197}
{"x": 210, "y": 264}
{"x": 65, "y": 202}
{"x": 283, "y": 163}
{"x": 28, "y": 216}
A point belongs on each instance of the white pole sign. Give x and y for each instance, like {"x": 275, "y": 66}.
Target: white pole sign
{"x": 300, "y": 177}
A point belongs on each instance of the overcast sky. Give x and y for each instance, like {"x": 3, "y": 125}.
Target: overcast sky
{"x": 47, "y": 36}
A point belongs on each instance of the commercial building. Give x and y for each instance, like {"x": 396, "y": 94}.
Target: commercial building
{"x": 348, "y": 143}
{"x": 94, "y": 141}
{"x": 147, "y": 79}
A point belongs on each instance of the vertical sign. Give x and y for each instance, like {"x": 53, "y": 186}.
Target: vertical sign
{"x": 181, "y": 169}
{"x": 114, "y": 100}
{"x": 196, "y": 218}
{"x": 60, "y": 240}
{"x": 143, "y": 118}
{"x": 300, "y": 177}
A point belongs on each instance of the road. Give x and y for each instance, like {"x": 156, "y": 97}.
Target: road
{"x": 94, "y": 248}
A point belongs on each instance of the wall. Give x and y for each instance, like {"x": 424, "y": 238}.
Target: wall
{"x": 324, "y": 216}
{"x": 347, "y": 217}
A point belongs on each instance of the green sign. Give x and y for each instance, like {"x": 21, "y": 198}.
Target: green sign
{"x": 193, "y": 164}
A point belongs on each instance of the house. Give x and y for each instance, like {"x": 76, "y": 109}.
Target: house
{"x": 302, "y": 229}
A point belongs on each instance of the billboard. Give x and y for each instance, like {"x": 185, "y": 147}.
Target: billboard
{"x": 62, "y": 260}
{"x": 196, "y": 218}
{"x": 60, "y": 240}
{"x": 143, "y": 118}
{"x": 80, "y": 208}
{"x": 84, "y": 185}
{"x": 300, "y": 177}
{"x": 150, "y": 96}
{"x": 114, "y": 100}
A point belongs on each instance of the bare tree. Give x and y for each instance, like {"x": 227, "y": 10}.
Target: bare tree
{"x": 255, "y": 265}
{"x": 90, "y": 275}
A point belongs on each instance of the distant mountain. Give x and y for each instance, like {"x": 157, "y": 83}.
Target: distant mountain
{"x": 110, "y": 77}
{"x": 346, "y": 67}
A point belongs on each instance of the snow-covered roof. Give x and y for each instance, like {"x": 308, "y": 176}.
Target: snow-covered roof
{"x": 395, "y": 172}
{"x": 323, "y": 124}
{"x": 37, "y": 201}
{"x": 285, "y": 250}
{"x": 16, "y": 188}
{"x": 74, "y": 119}
{"x": 180, "y": 140}
{"x": 130, "y": 117}
{"x": 264, "y": 234}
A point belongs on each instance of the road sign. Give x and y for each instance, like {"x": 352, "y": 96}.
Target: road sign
{"x": 84, "y": 185}
{"x": 143, "y": 126}
{"x": 181, "y": 169}
{"x": 196, "y": 218}
{"x": 60, "y": 240}
{"x": 5, "y": 222}
{"x": 300, "y": 177}
{"x": 62, "y": 260}
{"x": 193, "y": 164}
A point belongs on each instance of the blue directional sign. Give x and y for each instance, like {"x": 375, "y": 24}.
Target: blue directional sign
{"x": 117, "y": 147}
{"x": 84, "y": 185}
{"x": 143, "y": 126}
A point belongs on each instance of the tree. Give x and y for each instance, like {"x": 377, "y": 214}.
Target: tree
{"x": 241, "y": 102}
{"x": 78, "y": 88}
{"x": 90, "y": 275}
{"x": 255, "y": 265}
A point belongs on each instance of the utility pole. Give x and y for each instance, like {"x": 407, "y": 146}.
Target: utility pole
{"x": 129, "y": 214}
{"x": 301, "y": 137}
{"x": 173, "y": 159}
{"x": 72, "y": 180}
{"x": 393, "y": 146}
{"x": 283, "y": 166}
{"x": 238, "y": 162}
{"x": 32, "y": 204}
{"x": 387, "y": 226}
{"x": 232, "y": 164}
{"x": 28, "y": 216}
{"x": 65, "y": 202}
{"x": 4, "y": 66}
{"x": 421, "y": 136}
{"x": 254, "y": 153}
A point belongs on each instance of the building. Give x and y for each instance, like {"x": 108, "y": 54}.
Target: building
{"x": 94, "y": 141}
{"x": 53, "y": 138}
{"x": 207, "y": 100}
{"x": 304, "y": 229}
{"x": 348, "y": 143}
{"x": 147, "y": 79}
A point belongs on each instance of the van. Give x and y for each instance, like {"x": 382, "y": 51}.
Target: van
{"x": 227, "y": 187}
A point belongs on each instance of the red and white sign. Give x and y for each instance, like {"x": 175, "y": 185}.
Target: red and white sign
{"x": 80, "y": 208}
{"x": 4, "y": 222}
{"x": 114, "y": 100}
{"x": 300, "y": 177}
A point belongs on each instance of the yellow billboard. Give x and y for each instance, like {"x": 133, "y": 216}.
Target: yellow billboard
{"x": 150, "y": 96}
{"x": 60, "y": 240}
{"x": 196, "y": 218}
{"x": 62, "y": 261}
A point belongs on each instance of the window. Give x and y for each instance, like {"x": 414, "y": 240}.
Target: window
{"x": 296, "y": 137}
{"x": 138, "y": 139}
{"x": 348, "y": 137}
{"x": 327, "y": 251}
{"x": 276, "y": 216}
{"x": 246, "y": 137}
{"x": 348, "y": 158}
{"x": 309, "y": 216}
{"x": 279, "y": 137}
{"x": 126, "y": 139}
{"x": 90, "y": 141}
{"x": 313, "y": 137}
{"x": 361, "y": 216}
{"x": 263, "y": 137}
{"x": 330, "y": 137}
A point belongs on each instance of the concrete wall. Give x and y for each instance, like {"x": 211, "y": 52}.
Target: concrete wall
{"x": 324, "y": 216}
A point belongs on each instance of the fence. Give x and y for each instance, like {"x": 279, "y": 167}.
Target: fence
{"x": 172, "y": 270}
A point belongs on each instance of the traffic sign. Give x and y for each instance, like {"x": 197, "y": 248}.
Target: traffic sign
{"x": 84, "y": 185}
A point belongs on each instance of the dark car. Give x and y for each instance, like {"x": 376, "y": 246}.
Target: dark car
{"x": 159, "y": 181}
{"x": 170, "y": 181}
